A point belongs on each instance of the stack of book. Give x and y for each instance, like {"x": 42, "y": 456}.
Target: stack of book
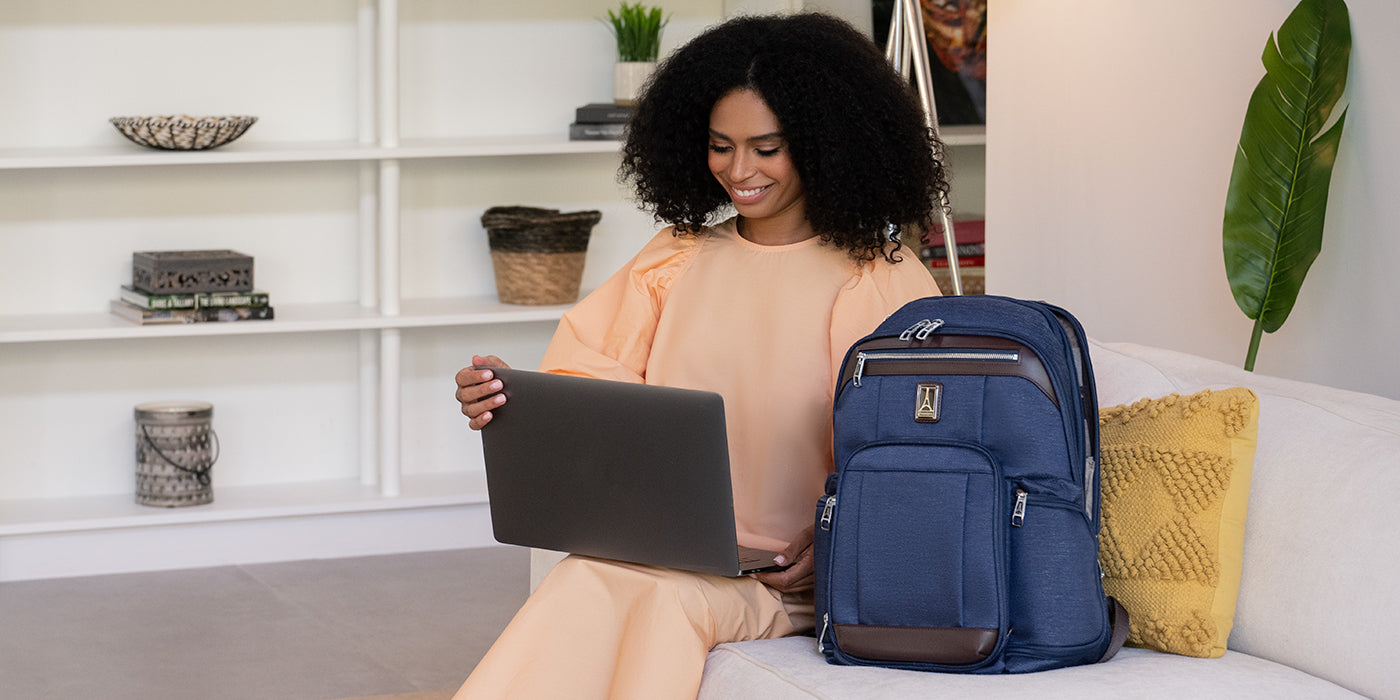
{"x": 600, "y": 121}
{"x": 972, "y": 256}
{"x": 191, "y": 286}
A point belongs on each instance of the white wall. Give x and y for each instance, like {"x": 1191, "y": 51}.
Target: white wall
{"x": 857, "y": 12}
{"x": 1112, "y": 127}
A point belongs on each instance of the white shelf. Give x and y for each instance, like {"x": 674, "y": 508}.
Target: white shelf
{"x": 963, "y": 135}
{"x": 129, "y": 154}
{"x": 500, "y": 146}
{"x": 290, "y": 318}
{"x": 240, "y": 503}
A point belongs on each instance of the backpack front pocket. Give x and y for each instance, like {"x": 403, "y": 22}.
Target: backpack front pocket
{"x": 1058, "y": 608}
{"x": 919, "y": 532}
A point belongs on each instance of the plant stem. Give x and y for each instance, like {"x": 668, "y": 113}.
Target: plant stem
{"x": 1254, "y": 343}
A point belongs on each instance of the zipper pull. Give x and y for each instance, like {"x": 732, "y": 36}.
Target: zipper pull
{"x": 821, "y": 638}
{"x": 860, "y": 367}
{"x": 1018, "y": 514}
{"x": 827, "y": 513}
{"x": 910, "y": 331}
{"x": 926, "y": 331}
{"x": 1089, "y": 486}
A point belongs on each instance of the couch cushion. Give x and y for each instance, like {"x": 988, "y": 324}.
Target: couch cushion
{"x": 1321, "y": 544}
{"x": 791, "y": 669}
{"x": 1176, "y": 475}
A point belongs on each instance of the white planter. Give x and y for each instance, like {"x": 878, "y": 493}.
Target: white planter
{"x": 628, "y": 79}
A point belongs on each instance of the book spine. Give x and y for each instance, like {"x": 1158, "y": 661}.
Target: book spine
{"x": 235, "y": 313}
{"x": 595, "y": 132}
{"x": 602, "y": 114}
{"x": 156, "y": 302}
{"x": 938, "y": 251}
{"x": 143, "y": 315}
{"x": 165, "y": 302}
{"x": 966, "y": 232}
{"x": 966, "y": 261}
{"x": 211, "y": 314}
{"x": 220, "y": 299}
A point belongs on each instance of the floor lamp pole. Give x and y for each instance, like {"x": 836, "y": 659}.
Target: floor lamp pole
{"x": 907, "y": 49}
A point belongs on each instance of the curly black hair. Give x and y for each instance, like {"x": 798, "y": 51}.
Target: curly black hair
{"x": 854, "y": 128}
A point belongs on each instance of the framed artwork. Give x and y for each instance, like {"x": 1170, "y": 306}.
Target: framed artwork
{"x": 956, "y": 32}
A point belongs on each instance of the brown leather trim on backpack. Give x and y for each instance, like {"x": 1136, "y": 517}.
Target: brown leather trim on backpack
{"x": 937, "y": 645}
{"x": 1029, "y": 367}
{"x": 1118, "y": 619}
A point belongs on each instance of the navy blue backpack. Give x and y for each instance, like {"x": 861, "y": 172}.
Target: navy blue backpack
{"x": 959, "y": 532}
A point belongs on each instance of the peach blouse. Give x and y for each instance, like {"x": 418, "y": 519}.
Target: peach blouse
{"x": 766, "y": 327}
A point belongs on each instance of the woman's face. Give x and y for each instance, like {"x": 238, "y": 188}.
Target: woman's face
{"x": 750, "y": 158}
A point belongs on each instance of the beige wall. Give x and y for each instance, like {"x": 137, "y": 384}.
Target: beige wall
{"x": 1112, "y": 127}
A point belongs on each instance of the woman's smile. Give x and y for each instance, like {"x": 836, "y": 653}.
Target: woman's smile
{"x": 748, "y": 195}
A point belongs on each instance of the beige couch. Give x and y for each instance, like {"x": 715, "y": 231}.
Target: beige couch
{"x": 1317, "y": 615}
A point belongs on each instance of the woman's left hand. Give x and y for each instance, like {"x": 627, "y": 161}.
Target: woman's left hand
{"x": 798, "y": 576}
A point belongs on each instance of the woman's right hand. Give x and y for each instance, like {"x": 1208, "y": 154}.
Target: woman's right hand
{"x": 479, "y": 391}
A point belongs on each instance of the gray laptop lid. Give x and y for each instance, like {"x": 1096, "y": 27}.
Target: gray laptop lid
{"x": 614, "y": 470}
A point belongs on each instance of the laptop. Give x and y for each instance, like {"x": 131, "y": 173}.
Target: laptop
{"x": 614, "y": 470}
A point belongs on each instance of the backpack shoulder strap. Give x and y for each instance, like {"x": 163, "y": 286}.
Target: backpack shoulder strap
{"x": 1118, "y": 619}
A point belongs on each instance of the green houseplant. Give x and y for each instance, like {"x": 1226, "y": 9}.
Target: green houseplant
{"x": 637, "y": 29}
{"x": 1277, "y": 199}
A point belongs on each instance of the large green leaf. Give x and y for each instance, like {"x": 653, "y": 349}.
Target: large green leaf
{"x": 1277, "y": 200}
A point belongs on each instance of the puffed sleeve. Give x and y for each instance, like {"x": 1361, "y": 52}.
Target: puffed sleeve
{"x": 877, "y": 290}
{"x": 609, "y": 333}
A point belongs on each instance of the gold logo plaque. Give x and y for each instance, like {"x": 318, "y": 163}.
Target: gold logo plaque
{"x": 928, "y": 402}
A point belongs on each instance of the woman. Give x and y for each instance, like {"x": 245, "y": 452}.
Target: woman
{"x": 799, "y": 125}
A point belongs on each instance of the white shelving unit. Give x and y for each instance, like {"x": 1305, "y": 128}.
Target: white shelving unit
{"x": 381, "y": 509}
{"x": 67, "y": 535}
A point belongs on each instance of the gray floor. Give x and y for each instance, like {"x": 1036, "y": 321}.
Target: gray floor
{"x": 301, "y": 631}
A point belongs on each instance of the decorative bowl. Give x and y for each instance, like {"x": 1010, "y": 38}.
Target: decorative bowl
{"x": 183, "y": 132}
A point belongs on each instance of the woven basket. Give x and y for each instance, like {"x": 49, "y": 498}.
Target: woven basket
{"x": 175, "y": 449}
{"x": 537, "y": 254}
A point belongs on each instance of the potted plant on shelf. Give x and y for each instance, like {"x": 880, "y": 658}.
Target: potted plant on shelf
{"x": 1277, "y": 199}
{"x": 637, "y": 29}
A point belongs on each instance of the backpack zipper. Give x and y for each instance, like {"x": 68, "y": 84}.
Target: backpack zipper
{"x": 1018, "y": 511}
{"x": 932, "y": 355}
{"x": 921, "y": 330}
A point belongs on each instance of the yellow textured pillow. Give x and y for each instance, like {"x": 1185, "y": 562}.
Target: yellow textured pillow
{"x": 1175, "y": 487}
